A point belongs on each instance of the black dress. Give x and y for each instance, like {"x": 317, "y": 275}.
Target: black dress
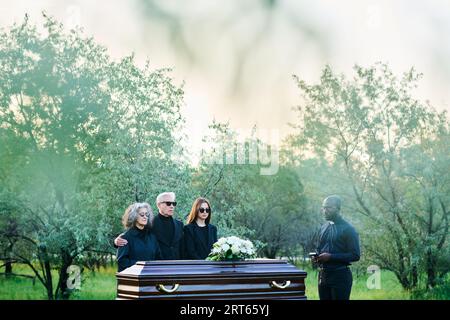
{"x": 198, "y": 241}
{"x": 142, "y": 246}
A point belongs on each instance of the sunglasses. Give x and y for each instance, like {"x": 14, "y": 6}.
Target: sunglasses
{"x": 170, "y": 203}
{"x": 144, "y": 214}
{"x": 201, "y": 210}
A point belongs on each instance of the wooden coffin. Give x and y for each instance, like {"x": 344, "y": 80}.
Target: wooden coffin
{"x": 204, "y": 280}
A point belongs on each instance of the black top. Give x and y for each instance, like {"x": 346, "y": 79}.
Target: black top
{"x": 339, "y": 238}
{"x": 198, "y": 241}
{"x": 203, "y": 234}
{"x": 142, "y": 246}
{"x": 167, "y": 229}
{"x": 169, "y": 233}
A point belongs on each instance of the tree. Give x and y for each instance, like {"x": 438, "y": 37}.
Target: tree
{"x": 426, "y": 172}
{"x": 268, "y": 209}
{"x": 84, "y": 137}
{"x": 320, "y": 179}
{"x": 11, "y": 157}
{"x": 280, "y": 219}
{"x": 218, "y": 181}
{"x": 393, "y": 152}
{"x": 138, "y": 147}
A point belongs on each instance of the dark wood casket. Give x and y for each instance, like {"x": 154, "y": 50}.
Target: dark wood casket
{"x": 204, "y": 280}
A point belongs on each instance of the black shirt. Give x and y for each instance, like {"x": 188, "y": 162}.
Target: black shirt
{"x": 142, "y": 246}
{"x": 169, "y": 233}
{"x": 167, "y": 229}
{"x": 341, "y": 240}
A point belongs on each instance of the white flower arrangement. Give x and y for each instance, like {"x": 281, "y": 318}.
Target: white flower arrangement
{"x": 232, "y": 248}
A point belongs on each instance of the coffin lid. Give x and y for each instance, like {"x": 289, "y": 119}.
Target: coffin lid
{"x": 196, "y": 268}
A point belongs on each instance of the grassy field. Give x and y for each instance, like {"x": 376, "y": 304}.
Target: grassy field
{"x": 390, "y": 287}
{"x": 101, "y": 285}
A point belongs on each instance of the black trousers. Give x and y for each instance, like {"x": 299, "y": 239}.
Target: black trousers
{"x": 335, "y": 284}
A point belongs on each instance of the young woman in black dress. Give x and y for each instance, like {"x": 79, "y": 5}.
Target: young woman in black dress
{"x": 199, "y": 234}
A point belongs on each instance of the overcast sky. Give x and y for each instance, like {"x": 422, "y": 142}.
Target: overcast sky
{"x": 237, "y": 57}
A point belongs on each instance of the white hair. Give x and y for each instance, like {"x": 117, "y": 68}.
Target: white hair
{"x": 162, "y": 195}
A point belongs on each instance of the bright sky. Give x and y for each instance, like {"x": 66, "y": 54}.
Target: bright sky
{"x": 237, "y": 57}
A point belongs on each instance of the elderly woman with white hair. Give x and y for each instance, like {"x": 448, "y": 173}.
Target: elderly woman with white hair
{"x": 142, "y": 243}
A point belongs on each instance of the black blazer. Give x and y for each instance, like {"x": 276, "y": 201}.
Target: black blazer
{"x": 194, "y": 247}
{"x": 169, "y": 250}
{"x": 142, "y": 246}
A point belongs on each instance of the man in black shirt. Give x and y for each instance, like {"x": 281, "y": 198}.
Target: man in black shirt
{"x": 338, "y": 246}
{"x": 168, "y": 231}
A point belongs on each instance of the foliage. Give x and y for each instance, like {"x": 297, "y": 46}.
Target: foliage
{"x": 391, "y": 151}
{"x": 268, "y": 209}
{"x": 82, "y": 137}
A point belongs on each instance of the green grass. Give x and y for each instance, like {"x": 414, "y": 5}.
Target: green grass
{"x": 101, "y": 285}
{"x": 17, "y": 288}
{"x": 390, "y": 287}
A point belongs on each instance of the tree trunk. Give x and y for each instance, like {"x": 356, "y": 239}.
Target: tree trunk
{"x": 402, "y": 273}
{"x": 404, "y": 281}
{"x": 8, "y": 268}
{"x": 48, "y": 272}
{"x": 271, "y": 252}
{"x": 63, "y": 292}
{"x": 431, "y": 272}
{"x": 414, "y": 276}
{"x": 49, "y": 284}
{"x": 8, "y": 260}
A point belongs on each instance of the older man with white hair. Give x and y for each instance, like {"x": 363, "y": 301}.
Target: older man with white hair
{"x": 167, "y": 230}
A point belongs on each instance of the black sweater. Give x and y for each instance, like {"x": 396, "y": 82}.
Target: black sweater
{"x": 197, "y": 246}
{"x": 169, "y": 233}
{"x": 339, "y": 238}
{"x": 142, "y": 246}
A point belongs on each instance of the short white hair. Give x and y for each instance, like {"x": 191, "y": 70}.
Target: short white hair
{"x": 162, "y": 195}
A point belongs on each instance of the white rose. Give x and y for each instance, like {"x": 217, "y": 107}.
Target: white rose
{"x": 225, "y": 247}
{"x": 235, "y": 249}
